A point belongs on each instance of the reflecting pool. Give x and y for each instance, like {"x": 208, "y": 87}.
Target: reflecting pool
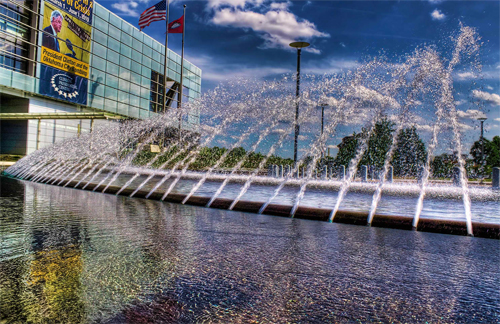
{"x": 75, "y": 256}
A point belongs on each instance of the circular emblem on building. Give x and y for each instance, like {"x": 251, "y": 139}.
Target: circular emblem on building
{"x": 64, "y": 85}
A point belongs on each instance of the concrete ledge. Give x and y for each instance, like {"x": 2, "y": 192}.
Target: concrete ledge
{"x": 453, "y": 227}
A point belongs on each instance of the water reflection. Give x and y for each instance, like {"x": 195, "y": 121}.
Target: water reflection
{"x": 74, "y": 256}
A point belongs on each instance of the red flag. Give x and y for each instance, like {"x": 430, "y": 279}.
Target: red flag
{"x": 176, "y": 26}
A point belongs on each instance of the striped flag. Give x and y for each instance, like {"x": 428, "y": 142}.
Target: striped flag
{"x": 155, "y": 13}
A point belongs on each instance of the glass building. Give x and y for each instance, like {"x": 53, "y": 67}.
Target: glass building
{"x": 121, "y": 75}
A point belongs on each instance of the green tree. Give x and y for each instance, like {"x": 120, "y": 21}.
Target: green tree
{"x": 491, "y": 154}
{"x": 379, "y": 143}
{"x": 409, "y": 154}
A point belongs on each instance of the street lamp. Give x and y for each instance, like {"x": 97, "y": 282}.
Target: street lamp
{"x": 299, "y": 46}
{"x": 323, "y": 105}
{"x": 482, "y": 119}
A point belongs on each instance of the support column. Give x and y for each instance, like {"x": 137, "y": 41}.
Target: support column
{"x": 324, "y": 173}
{"x": 420, "y": 174}
{"x": 390, "y": 174}
{"x": 495, "y": 178}
{"x": 270, "y": 168}
{"x": 38, "y": 131}
{"x": 364, "y": 173}
{"x": 456, "y": 176}
{"x": 341, "y": 172}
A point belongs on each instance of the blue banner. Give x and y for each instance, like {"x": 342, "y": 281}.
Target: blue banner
{"x": 63, "y": 85}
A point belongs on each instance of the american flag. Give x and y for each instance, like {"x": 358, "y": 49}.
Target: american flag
{"x": 155, "y": 13}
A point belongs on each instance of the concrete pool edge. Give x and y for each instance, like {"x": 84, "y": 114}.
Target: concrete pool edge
{"x": 454, "y": 227}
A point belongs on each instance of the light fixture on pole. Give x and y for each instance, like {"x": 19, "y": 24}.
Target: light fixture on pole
{"x": 482, "y": 119}
{"x": 299, "y": 46}
{"x": 323, "y": 105}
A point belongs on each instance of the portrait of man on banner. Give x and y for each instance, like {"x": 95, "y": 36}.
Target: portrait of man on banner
{"x": 49, "y": 39}
{"x": 65, "y": 34}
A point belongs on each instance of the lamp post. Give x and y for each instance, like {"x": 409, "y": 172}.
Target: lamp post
{"x": 299, "y": 46}
{"x": 323, "y": 105}
{"x": 482, "y": 119}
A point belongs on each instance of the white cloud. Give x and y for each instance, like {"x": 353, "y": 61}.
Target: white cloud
{"x": 330, "y": 66}
{"x": 128, "y": 8}
{"x": 342, "y": 44}
{"x": 491, "y": 98}
{"x": 280, "y": 5}
{"x": 489, "y": 87}
{"x": 470, "y": 114}
{"x": 435, "y": 1}
{"x": 497, "y": 119}
{"x": 466, "y": 75}
{"x": 233, "y": 3}
{"x": 278, "y": 27}
{"x": 460, "y": 102}
{"x": 437, "y": 15}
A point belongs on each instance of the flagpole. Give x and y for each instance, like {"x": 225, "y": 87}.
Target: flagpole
{"x": 182, "y": 71}
{"x": 165, "y": 65}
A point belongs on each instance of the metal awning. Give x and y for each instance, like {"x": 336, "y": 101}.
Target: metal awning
{"x": 26, "y": 116}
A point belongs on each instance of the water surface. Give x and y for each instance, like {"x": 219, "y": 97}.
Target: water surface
{"x": 75, "y": 256}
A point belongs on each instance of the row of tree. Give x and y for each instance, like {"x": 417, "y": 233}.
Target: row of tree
{"x": 409, "y": 154}
{"x": 408, "y": 157}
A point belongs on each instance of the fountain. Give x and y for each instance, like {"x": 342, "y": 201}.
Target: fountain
{"x": 259, "y": 117}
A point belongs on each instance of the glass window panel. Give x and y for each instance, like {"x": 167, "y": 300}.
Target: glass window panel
{"x": 155, "y": 66}
{"x": 146, "y": 61}
{"x": 137, "y": 45}
{"x": 101, "y": 12}
{"x": 135, "y": 89}
{"x": 144, "y": 113}
{"x": 98, "y": 102}
{"x": 100, "y": 37}
{"x": 145, "y": 81}
{"x": 147, "y": 51}
{"x": 126, "y": 39}
{"x": 99, "y": 50}
{"x": 136, "y": 67}
{"x": 113, "y": 19}
{"x": 171, "y": 65}
{"x": 138, "y": 34}
{"x": 112, "y": 81}
{"x": 125, "y": 62}
{"x": 123, "y": 96}
{"x": 99, "y": 63}
{"x": 110, "y": 105}
{"x": 135, "y": 78}
{"x": 136, "y": 56}
{"x": 124, "y": 85}
{"x": 134, "y": 100}
{"x": 146, "y": 72}
{"x": 122, "y": 109}
{"x": 134, "y": 112}
{"x": 114, "y": 44}
{"x": 111, "y": 93}
{"x": 178, "y": 68}
{"x": 145, "y": 103}
{"x": 125, "y": 50}
{"x": 126, "y": 28}
{"x": 113, "y": 56}
{"x": 157, "y": 57}
{"x": 148, "y": 41}
{"x": 101, "y": 24}
{"x": 112, "y": 68}
{"x": 124, "y": 73}
{"x": 145, "y": 92}
{"x": 114, "y": 32}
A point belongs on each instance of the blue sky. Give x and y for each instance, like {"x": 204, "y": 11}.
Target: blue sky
{"x": 249, "y": 38}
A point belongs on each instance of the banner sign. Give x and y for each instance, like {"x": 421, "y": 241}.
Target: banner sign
{"x": 63, "y": 85}
{"x": 80, "y": 9}
{"x": 65, "y": 51}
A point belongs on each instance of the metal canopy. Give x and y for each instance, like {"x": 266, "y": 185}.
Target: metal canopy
{"x": 26, "y": 116}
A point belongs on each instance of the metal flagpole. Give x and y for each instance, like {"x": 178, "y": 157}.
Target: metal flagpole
{"x": 182, "y": 71}
{"x": 165, "y": 65}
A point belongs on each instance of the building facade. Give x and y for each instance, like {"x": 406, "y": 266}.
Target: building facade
{"x": 76, "y": 57}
